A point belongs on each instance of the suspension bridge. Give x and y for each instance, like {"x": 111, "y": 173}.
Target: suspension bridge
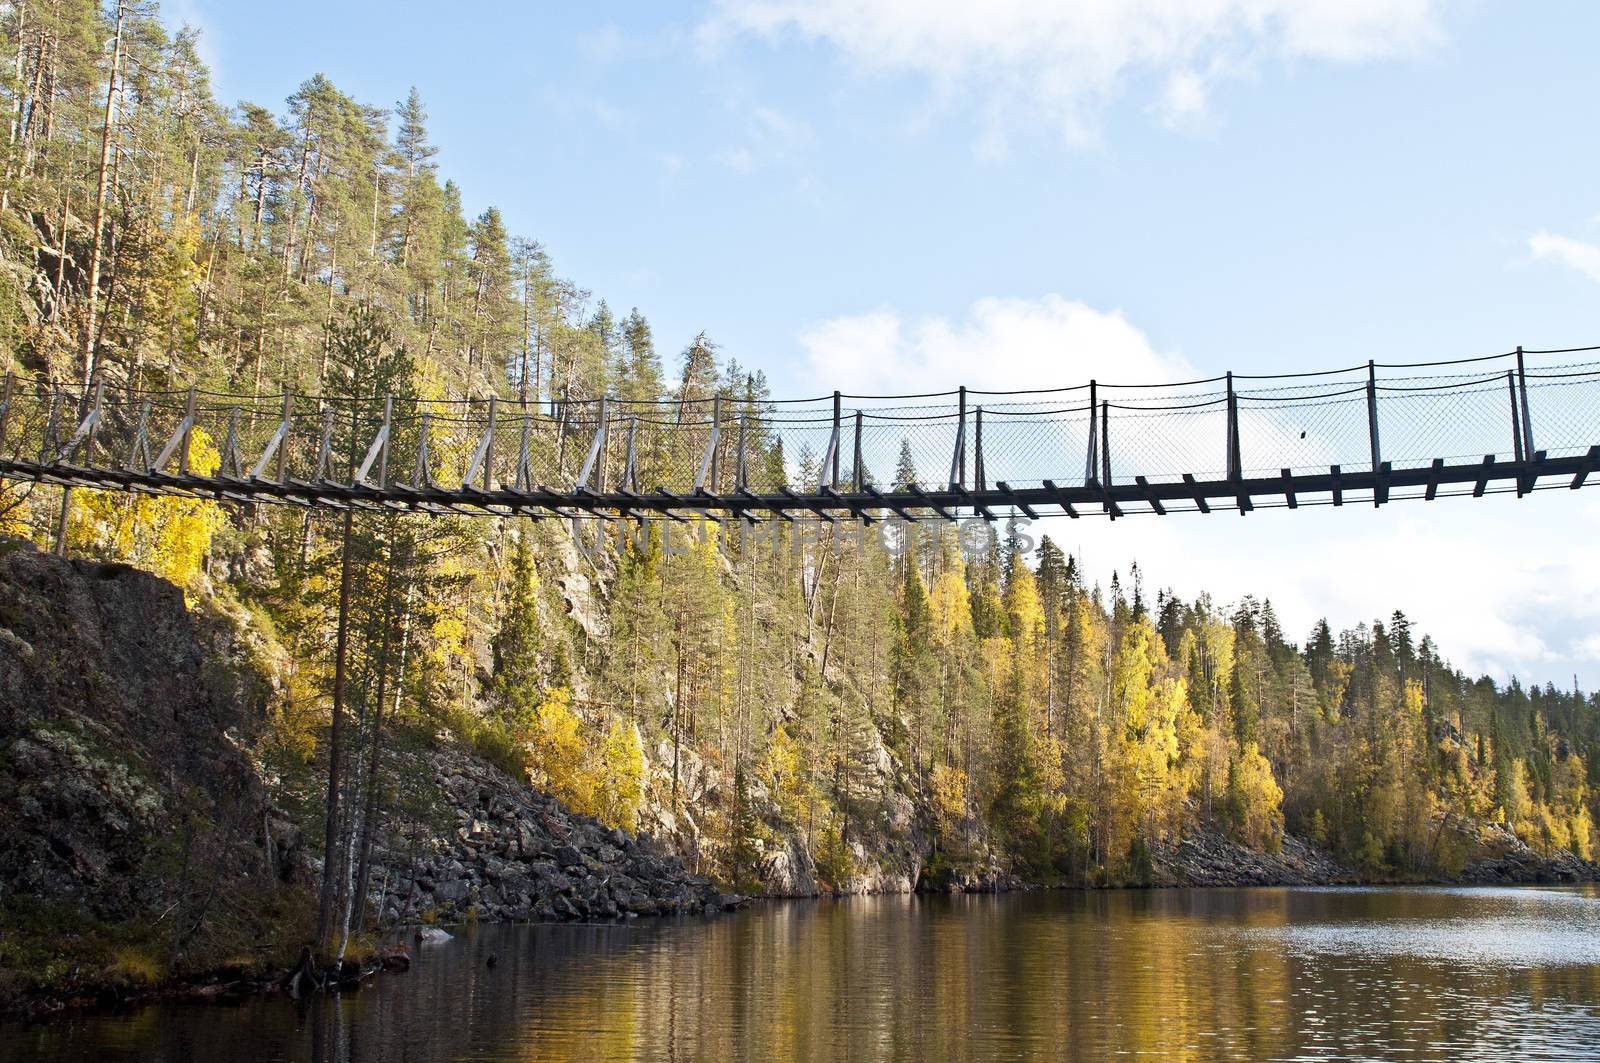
{"x": 1520, "y": 421}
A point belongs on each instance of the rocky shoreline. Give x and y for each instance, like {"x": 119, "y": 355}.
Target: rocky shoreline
{"x": 1206, "y": 858}
{"x": 597, "y": 875}
{"x": 514, "y": 854}
{"x": 1498, "y": 858}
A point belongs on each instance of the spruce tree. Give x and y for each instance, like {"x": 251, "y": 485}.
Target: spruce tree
{"x": 515, "y": 681}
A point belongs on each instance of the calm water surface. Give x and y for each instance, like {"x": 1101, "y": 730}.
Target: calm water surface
{"x": 1393, "y": 974}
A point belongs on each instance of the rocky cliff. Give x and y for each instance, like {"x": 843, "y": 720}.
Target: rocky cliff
{"x": 1491, "y": 855}
{"x": 136, "y": 839}
{"x": 140, "y": 840}
{"x": 122, "y": 770}
{"x": 1206, "y": 858}
{"x": 505, "y": 851}
{"x": 891, "y": 840}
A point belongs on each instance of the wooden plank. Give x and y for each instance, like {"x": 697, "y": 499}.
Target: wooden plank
{"x": 1425, "y": 480}
{"x": 924, "y": 502}
{"x": 855, "y": 507}
{"x": 1027, "y": 509}
{"x": 802, "y": 502}
{"x": 1536, "y": 466}
{"x": 1483, "y": 481}
{"x": 887, "y": 502}
{"x": 977, "y": 506}
{"x": 1061, "y": 498}
{"x": 1591, "y": 463}
{"x": 1150, "y": 497}
{"x": 691, "y": 504}
{"x": 1108, "y": 503}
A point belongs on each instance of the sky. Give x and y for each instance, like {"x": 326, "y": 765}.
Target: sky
{"x": 916, "y": 194}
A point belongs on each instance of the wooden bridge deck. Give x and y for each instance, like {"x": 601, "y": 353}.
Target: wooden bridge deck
{"x": 1226, "y": 443}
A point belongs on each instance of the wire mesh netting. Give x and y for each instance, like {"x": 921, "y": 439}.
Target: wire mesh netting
{"x": 1459, "y": 421}
{"x": 1563, "y": 411}
{"x": 1211, "y": 430}
{"x": 1303, "y": 429}
{"x": 1023, "y": 449}
{"x": 1162, "y": 444}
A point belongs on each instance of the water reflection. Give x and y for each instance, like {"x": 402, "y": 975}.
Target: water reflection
{"x": 1170, "y": 975}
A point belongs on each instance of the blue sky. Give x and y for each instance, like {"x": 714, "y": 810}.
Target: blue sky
{"x": 833, "y": 190}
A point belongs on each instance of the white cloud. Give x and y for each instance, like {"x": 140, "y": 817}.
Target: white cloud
{"x": 1574, "y": 254}
{"x": 1062, "y": 60}
{"x": 1183, "y": 102}
{"x": 602, "y": 45}
{"x": 1028, "y": 345}
{"x": 770, "y": 137}
{"x": 739, "y": 160}
{"x": 1004, "y": 343}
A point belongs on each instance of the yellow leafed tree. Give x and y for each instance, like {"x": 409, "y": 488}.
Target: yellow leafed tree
{"x": 556, "y": 753}
{"x": 1022, "y": 604}
{"x": 598, "y": 774}
{"x": 950, "y": 603}
{"x": 1159, "y": 728}
{"x": 14, "y": 509}
{"x": 949, "y": 799}
{"x": 1259, "y": 798}
{"x": 781, "y": 767}
{"x": 622, "y": 773}
{"x": 169, "y": 536}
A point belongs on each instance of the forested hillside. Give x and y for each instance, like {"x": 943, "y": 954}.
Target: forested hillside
{"x": 787, "y": 710}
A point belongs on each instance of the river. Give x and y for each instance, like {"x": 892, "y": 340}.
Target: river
{"x": 1446, "y": 974}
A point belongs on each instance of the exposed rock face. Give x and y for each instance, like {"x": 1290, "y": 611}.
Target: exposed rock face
{"x": 788, "y": 871}
{"x": 1503, "y": 858}
{"x": 1498, "y": 857}
{"x": 1205, "y": 858}
{"x": 516, "y": 854}
{"x": 129, "y": 795}
{"x": 123, "y": 775}
{"x": 989, "y": 880}
{"x": 889, "y": 842}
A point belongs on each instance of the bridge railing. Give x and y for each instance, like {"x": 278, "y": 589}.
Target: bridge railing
{"x": 955, "y": 444}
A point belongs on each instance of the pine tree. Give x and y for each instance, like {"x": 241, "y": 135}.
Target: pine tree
{"x": 642, "y": 379}
{"x": 495, "y": 318}
{"x": 411, "y": 135}
{"x": 698, "y": 380}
